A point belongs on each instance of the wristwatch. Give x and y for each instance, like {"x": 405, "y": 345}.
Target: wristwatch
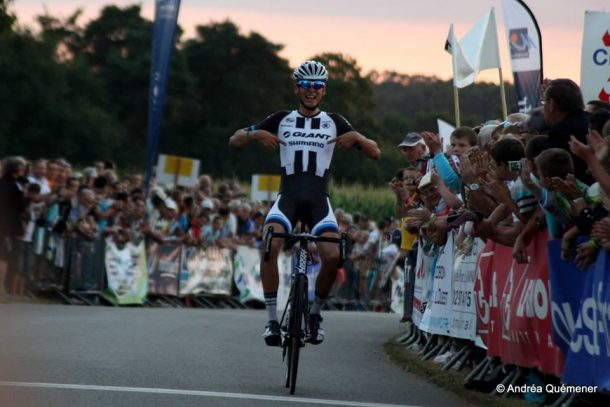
{"x": 473, "y": 187}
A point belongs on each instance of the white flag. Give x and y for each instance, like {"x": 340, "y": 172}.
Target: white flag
{"x": 461, "y": 67}
{"x": 480, "y": 48}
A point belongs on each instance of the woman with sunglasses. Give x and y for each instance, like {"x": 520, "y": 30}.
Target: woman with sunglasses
{"x": 306, "y": 138}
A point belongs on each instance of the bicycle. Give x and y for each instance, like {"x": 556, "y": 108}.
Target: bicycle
{"x": 294, "y": 321}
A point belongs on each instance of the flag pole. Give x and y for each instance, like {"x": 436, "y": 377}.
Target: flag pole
{"x": 502, "y": 95}
{"x": 456, "y": 103}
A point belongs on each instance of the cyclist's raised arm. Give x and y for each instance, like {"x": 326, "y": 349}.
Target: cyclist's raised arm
{"x": 355, "y": 139}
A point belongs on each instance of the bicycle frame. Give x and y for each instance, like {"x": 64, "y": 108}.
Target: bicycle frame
{"x": 297, "y": 306}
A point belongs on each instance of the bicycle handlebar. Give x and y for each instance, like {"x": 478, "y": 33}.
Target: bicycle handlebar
{"x": 305, "y": 238}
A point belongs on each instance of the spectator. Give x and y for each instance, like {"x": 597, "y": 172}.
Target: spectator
{"x": 564, "y": 112}
{"x": 514, "y": 198}
{"x": 414, "y": 149}
{"x": 39, "y": 176}
{"x": 12, "y": 207}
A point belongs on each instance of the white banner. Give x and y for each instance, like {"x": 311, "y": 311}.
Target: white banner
{"x": 463, "y": 307}
{"x": 398, "y": 290}
{"x": 126, "y": 273}
{"x": 424, "y": 274}
{"x": 437, "y": 314}
{"x": 247, "y": 276}
{"x": 444, "y": 301}
{"x": 206, "y": 271}
{"x": 595, "y": 60}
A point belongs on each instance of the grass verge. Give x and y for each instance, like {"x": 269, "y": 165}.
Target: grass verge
{"x": 451, "y": 380}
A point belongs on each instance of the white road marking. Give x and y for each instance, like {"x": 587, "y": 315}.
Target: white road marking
{"x": 200, "y": 393}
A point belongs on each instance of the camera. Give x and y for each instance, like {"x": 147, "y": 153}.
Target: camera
{"x": 514, "y": 166}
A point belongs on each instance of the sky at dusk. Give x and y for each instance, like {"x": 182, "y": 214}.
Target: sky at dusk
{"x": 405, "y": 36}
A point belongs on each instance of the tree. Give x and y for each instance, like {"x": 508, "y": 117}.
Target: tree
{"x": 239, "y": 80}
{"x": 7, "y": 19}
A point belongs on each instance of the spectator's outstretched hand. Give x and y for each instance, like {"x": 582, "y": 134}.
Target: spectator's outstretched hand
{"x": 420, "y": 213}
{"x": 568, "y": 187}
{"x": 519, "y": 251}
{"x": 601, "y": 230}
{"x": 586, "y": 253}
{"x": 468, "y": 171}
{"x": 585, "y": 152}
{"x": 497, "y": 188}
{"x": 433, "y": 141}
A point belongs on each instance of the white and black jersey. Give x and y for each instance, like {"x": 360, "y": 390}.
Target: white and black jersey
{"x": 306, "y": 157}
{"x": 305, "y": 161}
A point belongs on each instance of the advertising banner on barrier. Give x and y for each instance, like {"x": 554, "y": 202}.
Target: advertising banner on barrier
{"x": 207, "y": 271}
{"x": 126, "y": 273}
{"x": 448, "y": 303}
{"x": 247, "y": 275}
{"x": 514, "y": 307}
{"x": 424, "y": 275}
{"x": 164, "y": 268}
{"x": 436, "y": 316}
{"x": 398, "y": 291}
{"x": 581, "y": 321}
{"x": 248, "y": 280}
{"x": 463, "y": 310}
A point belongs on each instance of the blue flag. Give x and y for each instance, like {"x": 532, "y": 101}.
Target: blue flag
{"x": 164, "y": 30}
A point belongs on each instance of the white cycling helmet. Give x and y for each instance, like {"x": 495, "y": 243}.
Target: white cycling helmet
{"x": 311, "y": 71}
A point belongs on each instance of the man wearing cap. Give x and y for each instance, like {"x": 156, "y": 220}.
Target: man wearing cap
{"x": 416, "y": 152}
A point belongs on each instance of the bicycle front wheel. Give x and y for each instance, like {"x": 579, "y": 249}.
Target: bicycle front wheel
{"x": 297, "y": 310}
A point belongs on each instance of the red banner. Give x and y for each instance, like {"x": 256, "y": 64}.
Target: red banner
{"x": 514, "y": 307}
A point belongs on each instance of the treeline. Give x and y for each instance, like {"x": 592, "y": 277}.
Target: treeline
{"x": 80, "y": 91}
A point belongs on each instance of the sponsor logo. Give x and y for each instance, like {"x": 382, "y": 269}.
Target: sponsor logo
{"x": 600, "y": 56}
{"x": 326, "y": 125}
{"x": 303, "y": 134}
{"x": 520, "y": 43}
{"x": 290, "y": 119}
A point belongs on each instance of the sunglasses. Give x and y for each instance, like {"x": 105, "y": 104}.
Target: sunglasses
{"x": 311, "y": 84}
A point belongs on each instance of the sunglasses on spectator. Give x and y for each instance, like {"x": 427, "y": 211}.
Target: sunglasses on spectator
{"x": 311, "y": 84}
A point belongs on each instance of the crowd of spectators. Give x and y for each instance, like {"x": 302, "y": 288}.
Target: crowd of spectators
{"x": 506, "y": 180}
{"x": 96, "y": 202}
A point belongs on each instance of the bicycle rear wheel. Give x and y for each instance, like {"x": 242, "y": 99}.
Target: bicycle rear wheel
{"x": 297, "y": 310}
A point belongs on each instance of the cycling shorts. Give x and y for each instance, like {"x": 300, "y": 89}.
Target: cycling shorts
{"x": 313, "y": 210}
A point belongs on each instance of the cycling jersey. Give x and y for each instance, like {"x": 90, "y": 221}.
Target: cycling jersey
{"x": 305, "y": 161}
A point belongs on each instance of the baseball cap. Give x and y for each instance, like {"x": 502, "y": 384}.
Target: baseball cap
{"x": 171, "y": 204}
{"x": 158, "y": 191}
{"x": 207, "y": 204}
{"x": 412, "y": 139}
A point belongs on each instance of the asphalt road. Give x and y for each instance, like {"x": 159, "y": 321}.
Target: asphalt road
{"x": 53, "y": 355}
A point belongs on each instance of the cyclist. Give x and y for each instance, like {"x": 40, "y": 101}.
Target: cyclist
{"x": 306, "y": 138}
